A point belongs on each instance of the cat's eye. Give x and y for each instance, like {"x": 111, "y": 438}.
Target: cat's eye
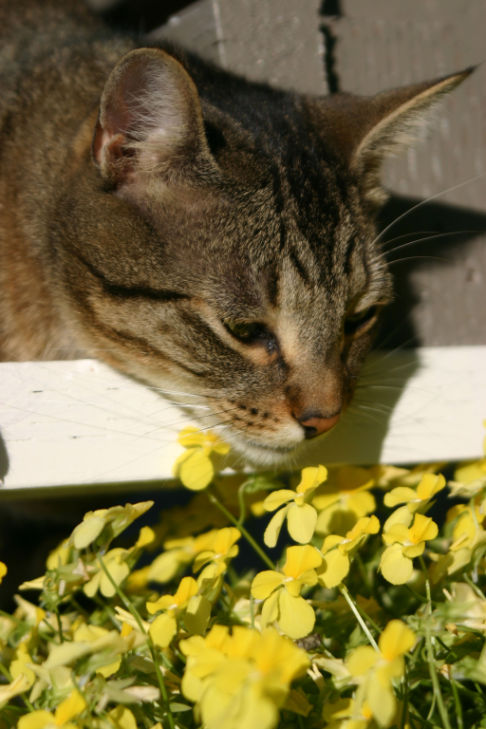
{"x": 252, "y": 332}
{"x": 360, "y": 321}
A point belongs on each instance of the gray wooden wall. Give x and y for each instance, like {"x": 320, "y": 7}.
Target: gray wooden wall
{"x": 364, "y": 46}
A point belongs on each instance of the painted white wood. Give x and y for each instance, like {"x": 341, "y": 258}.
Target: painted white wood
{"x": 79, "y": 423}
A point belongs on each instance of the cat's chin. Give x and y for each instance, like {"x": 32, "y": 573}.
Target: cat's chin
{"x": 257, "y": 454}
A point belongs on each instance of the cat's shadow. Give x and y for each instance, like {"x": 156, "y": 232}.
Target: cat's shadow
{"x": 453, "y": 230}
{"x": 4, "y": 461}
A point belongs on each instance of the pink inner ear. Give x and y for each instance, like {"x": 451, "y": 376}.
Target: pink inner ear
{"x": 107, "y": 147}
{"x": 150, "y": 118}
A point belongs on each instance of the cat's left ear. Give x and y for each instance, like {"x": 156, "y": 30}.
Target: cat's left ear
{"x": 366, "y": 130}
{"x": 150, "y": 119}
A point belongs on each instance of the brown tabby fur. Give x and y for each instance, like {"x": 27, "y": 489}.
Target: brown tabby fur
{"x": 150, "y": 207}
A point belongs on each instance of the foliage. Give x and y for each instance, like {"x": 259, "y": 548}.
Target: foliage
{"x": 360, "y": 611}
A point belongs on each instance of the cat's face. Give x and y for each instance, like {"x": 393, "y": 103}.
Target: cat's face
{"x": 239, "y": 269}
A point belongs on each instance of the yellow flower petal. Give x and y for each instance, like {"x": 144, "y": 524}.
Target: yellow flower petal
{"x": 36, "y": 720}
{"x": 335, "y": 568}
{"x": 423, "y": 529}
{"x": 197, "y": 614}
{"x": 187, "y": 588}
{"x": 301, "y": 522}
{"x": 224, "y": 539}
{"x": 278, "y": 498}
{"x": 195, "y": 469}
{"x": 381, "y": 701}
{"x": 87, "y": 531}
{"x": 413, "y": 550}
{"x": 270, "y": 609}
{"x": 311, "y": 478}
{"x": 396, "y": 639}
{"x": 361, "y": 660}
{"x": 110, "y": 668}
{"x": 361, "y": 503}
{"x": 163, "y": 629}
{"x": 21, "y": 665}
{"x": 394, "y": 567}
{"x": 146, "y": 536}
{"x": 296, "y": 617}
{"x": 3, "y": 570}
{"x": 274, "y": 526}
{"x": 264, "y": 583}
{"x": 20, "y": 684}
{"x": 399, "y": 495}
{"x": 73, "y": 705}
{"x": 122, "y": 718}
{"x": 191, "y": 436}
{"x": 429, "y": 485}
{"x": 301, "y": 559}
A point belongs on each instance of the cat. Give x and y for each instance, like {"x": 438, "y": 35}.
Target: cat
{"x": 198, "y": 232}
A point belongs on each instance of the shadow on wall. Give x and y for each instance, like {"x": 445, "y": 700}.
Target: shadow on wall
{"x": 4, "y": 462}
{"x": 427, "y": 237}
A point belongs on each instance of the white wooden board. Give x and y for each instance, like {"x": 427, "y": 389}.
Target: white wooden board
{"x": 79, "y": 423}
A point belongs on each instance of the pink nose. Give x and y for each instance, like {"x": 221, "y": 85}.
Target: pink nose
{"x": 314, "y": 423}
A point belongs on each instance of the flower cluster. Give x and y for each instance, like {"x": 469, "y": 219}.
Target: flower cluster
{"x": 242, "y": 678}
{"x": 359, "y": 610}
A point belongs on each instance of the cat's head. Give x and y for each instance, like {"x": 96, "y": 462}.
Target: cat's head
{"x": 226, "y": 248}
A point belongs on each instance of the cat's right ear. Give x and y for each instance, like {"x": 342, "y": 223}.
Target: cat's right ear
{"x": 365, "y": 130}
{"x": 149, "y": 119}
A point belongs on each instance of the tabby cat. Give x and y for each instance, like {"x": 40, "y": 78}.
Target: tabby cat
{"x": 201, "y": 233}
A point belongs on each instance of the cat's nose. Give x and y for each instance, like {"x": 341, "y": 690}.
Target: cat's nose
{"x": 315, "y": 423}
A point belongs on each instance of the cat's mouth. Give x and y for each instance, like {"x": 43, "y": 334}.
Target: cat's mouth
{"x": 260, "y": 452}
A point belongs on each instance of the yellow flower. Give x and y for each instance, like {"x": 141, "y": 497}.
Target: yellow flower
{"x": 194, "y": 467}
{"x": 122, "y": 718}
{"x": 429, "y": 485}
{"x": 387, "y": 477}
{"x": 116, "y": 566}
{"x": 467, "y": 530}
{"x": 464, "y": 607}
{"x": 3, "y": 571}
{"x": 220, "y": 548}
{"x": 186, "y": 599}
{"x": 21, "y": 665}
{"x": 115, "y": 520}
{"x": 20, "y": 684}
{"x": 344, "y": 499}
{"x": 241, "y": 679}
{"x": 469, "y": 478}
{"x": 336, "y": 550}
{"x": 177, "y": 554}
{"x": 346, "y": 714}
{"x": 301, "y": 516}
{"x": 72, "y": 706}
{"x": 467, "y": 534}
{"x": 404, "y": 542}
{"x": 280, "y": 591}
{"x": 375, "y": 671}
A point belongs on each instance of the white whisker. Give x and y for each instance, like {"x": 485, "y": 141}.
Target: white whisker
{"x": 436, "y": 236}
{"x": 421, "y": 203}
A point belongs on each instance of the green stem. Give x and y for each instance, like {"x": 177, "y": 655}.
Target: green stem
{"x": 344, "y": 592}
{"x": 458, "y": 705}
{"x": 59, "y": 626}
{"x": 5, "y": 673}
{"x": 473, "y": 586}
{"x": 256, "y": 547}
{"x": 242, "y": 505}
{"x": 430, "y": 654}
{"x": 151, "y": 646}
